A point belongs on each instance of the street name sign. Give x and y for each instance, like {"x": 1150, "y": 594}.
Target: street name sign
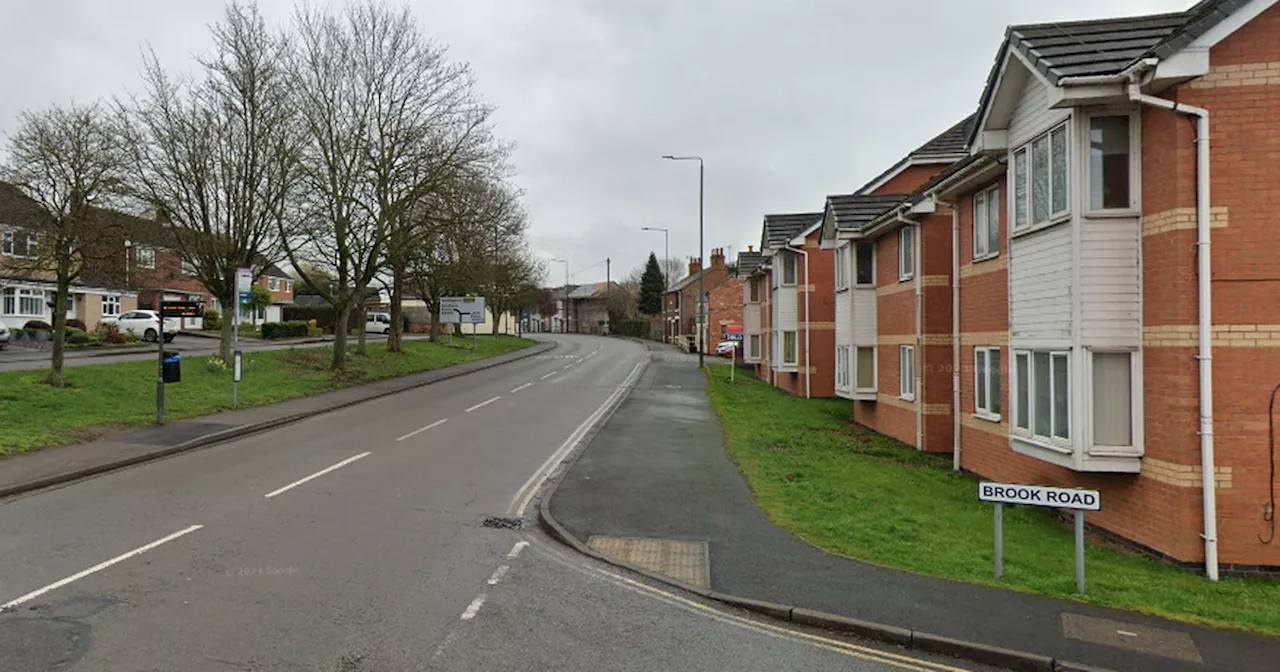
{"x": 462, "y": 309}
{"x": 1040, "y": 495}
{"x": 244, "y": 283}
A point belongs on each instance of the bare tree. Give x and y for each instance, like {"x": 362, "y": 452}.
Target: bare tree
{"x": 218, "y": 157}
{"x": 66, "y": 159}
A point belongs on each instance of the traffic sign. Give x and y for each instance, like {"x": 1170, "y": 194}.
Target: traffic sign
{"x": 462, "y": 309}
{"x": 1040, "y": 495}
{"x": 244, "y": 285}
{"x": 181, "y": 309}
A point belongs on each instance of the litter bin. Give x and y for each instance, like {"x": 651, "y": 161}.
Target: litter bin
{"x": 171, "y": 367}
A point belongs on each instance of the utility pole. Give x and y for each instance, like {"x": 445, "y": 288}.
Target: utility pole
{"x": 607, "y": 282}
{"x": 564, "y": 327}
{"x": 702, "y": 276}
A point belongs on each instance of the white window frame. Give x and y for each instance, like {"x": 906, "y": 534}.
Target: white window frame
{"x": 790, "y": 358}
{"x": 188, "y": 269}
{"x": 985, "y": 246}
{"x": 843, "y": 367}
{"x": 288, "y": 286}
{"x": 273, "y": 284}
{"x": 9, "y": 242}
{"x": 1029, "y": 433}
{"x": 906, "y": 253}
{"x": 872, "y": 247}
{"x": 1135, "y": 447}
{"x": 982, "y": 402}
{"x": 907, "y": 372}
{"x": 1135, "y": 164}
{"x": 842, "y": 267}
{"x": 753, "y": 290}
{"x": 146, "y": 257}
{"x": 875, "y": 375}
{"x": 110, "y": 305}
{"x": 788, "y": 261}
{"x": 753, "y": 346}
{"x": 15, "y": 300}
{"x": 1025, "y": 149}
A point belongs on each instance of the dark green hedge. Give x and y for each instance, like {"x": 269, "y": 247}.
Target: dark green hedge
{"x": 293, "y": 329}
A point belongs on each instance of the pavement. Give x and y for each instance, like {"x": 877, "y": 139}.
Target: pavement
{"x": 391, "y": 535}
{"x": 657, "y": 471}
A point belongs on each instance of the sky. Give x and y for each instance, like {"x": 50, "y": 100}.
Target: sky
{"x": 787, "y": 101}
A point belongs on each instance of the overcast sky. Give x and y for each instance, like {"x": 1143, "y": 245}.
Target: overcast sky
{"x": 787, "y": 100}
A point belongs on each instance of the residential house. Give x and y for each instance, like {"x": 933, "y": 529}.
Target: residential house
{"x": 802, "y": 301}
{"x": 280, "y": 284}
{"x": 723, "y": 298}
{"x": 751, "y": 279}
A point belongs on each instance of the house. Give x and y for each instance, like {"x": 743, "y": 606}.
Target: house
{"x": 802, "y": 302}
{"x": 280, "y": 284}
{"x": 723, "y": 297}
{"x": 747, "y": 271}
{"x": 1091, "y": 281}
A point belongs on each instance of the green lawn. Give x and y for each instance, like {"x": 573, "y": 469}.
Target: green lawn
{"x": 866, "y": 496}
{"x": 109, "y": 396}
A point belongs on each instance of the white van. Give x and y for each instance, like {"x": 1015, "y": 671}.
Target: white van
{"x": 378, "y": 323}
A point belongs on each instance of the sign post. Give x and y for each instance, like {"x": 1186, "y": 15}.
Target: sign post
{"x": 179, "y": 309}
{"x": 468, "y": 309}
{"x": 244, "y": 294}
{"x": 1077, "y": 500}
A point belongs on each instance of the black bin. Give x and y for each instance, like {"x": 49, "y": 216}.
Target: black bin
{"x": 171, "y": 367}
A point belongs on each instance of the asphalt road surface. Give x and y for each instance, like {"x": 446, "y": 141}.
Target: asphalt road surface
{"x": 355, "y": 542}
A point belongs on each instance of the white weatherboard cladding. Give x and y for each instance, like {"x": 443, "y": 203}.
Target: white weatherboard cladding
{"x": 751, "y": 318}
{"x": 1110, "y": 294}
{"x": 844, "y": 317}
{"x": 1032, "y": 115}
{"x": 864, "y": 316}
{"x": 1040, "y": 285}
{"x": 785, "y": 302}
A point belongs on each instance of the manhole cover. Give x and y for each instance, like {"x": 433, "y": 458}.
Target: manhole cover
{"x": 501, "y": 523}
{"x": 1142, "y": 638}
{"x": 685, "y": 561}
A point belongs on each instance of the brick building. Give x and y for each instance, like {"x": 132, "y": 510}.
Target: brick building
{"x": 679, "y": 304}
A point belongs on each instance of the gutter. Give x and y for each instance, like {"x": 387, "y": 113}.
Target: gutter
{"x": 1205, "y": 296}
{"x": 955, "y": 332}
{"x": 917, "y": 352}
{"x": 808, "y": 371}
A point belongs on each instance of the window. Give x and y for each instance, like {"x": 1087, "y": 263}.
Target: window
{"x": 24, "y": 302}
{"x": 866, "y": 262}
{"x": 865, "y": 365}
{"x": 1112, "y": 398}
{"x": 986, "y": 223}
{"x": 842, "y": 267}
{"x": 986, "y": 381}
{"x": 273, "y": 284}
{"x": 1040, "y": 179}
{"x": 146, "y": 257}
{"x": 188, "y": 268}
{"x": 110, "y": 306}
{"x": 788, "y": 268}
{"x": 788, "y": 347}
{"x": 1109, "y": 163}
{"x": 1043, "y": 406}
{"x": 753, "y": 290}
{"x": 753, "y": 346}
{"x": 19, "y": 243}
{"x": 288, "y": 286}
{"x": 907, "y": 372}
{"x": 906, "y": 252}
{"x": 842, "y": 367}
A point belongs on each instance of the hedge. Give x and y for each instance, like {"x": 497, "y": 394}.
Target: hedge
{"x": 635, "y": 328}
{"x": 292, "y": 329}
{"x": 323, "y": 315}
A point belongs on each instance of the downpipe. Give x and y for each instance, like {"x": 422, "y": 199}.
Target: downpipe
{"x": 955, "y": 332}
{"x": 808, "y": 370}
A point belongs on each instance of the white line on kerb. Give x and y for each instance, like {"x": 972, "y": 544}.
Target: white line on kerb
{"x": 547, "y": 375}
{"x": 473, "y": 608}
{"x": 521, "y": 388}
{"x": 515, "y": 550}
{"x": 98, "y": 567}
{"x": 498, "y": 573}
{"x": 482, "y": 404}
{"x": 322, "y": 472}
{"x": 420, "y": 430}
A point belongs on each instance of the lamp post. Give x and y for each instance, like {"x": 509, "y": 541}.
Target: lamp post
{"x": 564, "y": 327}
{"x": 702, "y": 276}
{"x": 666, "y": 253}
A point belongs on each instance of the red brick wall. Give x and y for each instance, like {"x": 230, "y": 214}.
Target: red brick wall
{"x": 821, "y": 318}
{"x": 895, "y": 324}
{"x": 909, "y": 179}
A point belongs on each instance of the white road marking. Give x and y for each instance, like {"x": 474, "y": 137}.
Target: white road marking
{"x": 531, "y": 486}
{"x": 1126, "y": 633}
{"x": 498, "y": 573}
{"x": 482, "y": 404}
{"x": 474, "y": 607}
{"x": 568, "y": 366}
{"x": 521, "y": 388}
{"x": 548, "y": 375}
{"x": 98, "y": 567}
{"x": 420, "y": 430}
{"x": 515, "y": 550}
{"x": 318, "y": 474}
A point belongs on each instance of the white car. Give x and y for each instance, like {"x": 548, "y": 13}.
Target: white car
{"x": 146, "y": 324}
{"x": 378, "y": 323}
{"x": 4, "y": 336}
{"x": 726, "y": 348}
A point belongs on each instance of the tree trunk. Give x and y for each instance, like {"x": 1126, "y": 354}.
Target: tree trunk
{"x": 340, "y": 337}
{"x": 230, "y": 322}
{"x": 395, "y": 340}
{"x": 435, "y": 320}
{"x": 364, "y": 321}
{"x": 55, "y": 377}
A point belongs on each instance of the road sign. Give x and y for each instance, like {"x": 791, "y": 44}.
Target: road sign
{"x": 244, "y": 285}
{"x": 462, "y": 309}
{"x": 1040, "y": 495}
{"x": 181, "y": 309}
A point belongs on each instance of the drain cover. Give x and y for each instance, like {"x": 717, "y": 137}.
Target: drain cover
{"x": 685, "y": 561}
{"x": 501, "y": 523}
{"x": 1131, "y": 636}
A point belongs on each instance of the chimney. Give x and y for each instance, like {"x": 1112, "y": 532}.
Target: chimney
{"x": 717, "y": 257}
{"x": 695, "y": 265}
{"x": 749, "y": 250}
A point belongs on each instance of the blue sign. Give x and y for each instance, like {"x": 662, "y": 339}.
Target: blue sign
{"x": 245, "y": 298}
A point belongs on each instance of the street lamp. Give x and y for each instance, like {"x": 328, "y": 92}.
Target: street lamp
{"x": 564, "y": 328}
{"x": 702, "y": 276}
{"x": 666, "y": 252}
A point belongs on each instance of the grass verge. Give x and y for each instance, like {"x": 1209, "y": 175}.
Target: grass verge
{"x": 106, "y": 396}
{"x": 854, "y": 492}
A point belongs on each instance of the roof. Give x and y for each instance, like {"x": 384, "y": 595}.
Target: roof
{"x": 690, "y": 279}
{"x": 780, "y": 228}
{"x": 948, "y": 145}
{"x": 853, "y": 211}
{"x": 273, "y": 271}
{"x": 587, "y": 291}
{"x": 748, "y": 262}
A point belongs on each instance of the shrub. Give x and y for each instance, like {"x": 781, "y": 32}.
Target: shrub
{"x": 130, "y": 337}
{"x": 291, "y": 329}
{"x": 76, "y": 336}
{"x": 74, "y": 323}
{"x": 37, "y": 325}
{"x": 323, "y": 316}
{"x": 212, "y": 320}
{"x": 110, "y": 333}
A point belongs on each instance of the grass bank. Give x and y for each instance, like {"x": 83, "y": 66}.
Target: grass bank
{"x": 866, "y": 496}
{"x": 104, "y": 397}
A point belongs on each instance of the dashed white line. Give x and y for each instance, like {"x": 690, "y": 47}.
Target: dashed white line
{"x": 98, "y": 567}
{"x": 568, "y": 366}
{"x": 482, "y": 404}
{"x": 322, "y": 472}
{"x": 474, "y": 607}
{"x": 547, "y": 375}
{"x": 521, "y": 388}
{"x": 420, "y": 430}
{"x": 515, "y": 550}
{"x": 498, "y": 573}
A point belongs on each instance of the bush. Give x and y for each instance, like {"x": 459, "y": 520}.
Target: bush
{"x": 130, "y": 337}
{"x": 212, "y": 320}
{"x": 291, "y": 329}
{"x": 74, "y": 323}
{"x": 37, "y": 325}
{"x": 110, "y": 333}
{"x": 76, "y": 336}
{"x": 322, "y": 316}
{"x": 635, "y": 328}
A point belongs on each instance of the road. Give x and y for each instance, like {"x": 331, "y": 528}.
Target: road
{"x": 356, "y": 542}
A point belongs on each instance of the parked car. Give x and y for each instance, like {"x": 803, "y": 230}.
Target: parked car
{"x": 378, "y": 323}
{"x": 4, "y": 336}
{"x": 146, "y": 324}
{"x": 726, "y": 348}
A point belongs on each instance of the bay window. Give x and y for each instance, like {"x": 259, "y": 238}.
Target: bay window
{"x": 842, "y": 367}
{"x": 986, "y": 223}
{"x": 1042, "y": 394}
{"x": 865, "y": 368}
{"x": 1109, "y": 163}
{"x": 20, "y": 302}
{"x": 753, "y": 290}
{"x": 788, "y": 268}
{"x": 753, "y": 346}
{"x": 1040, "y": 179}
{"x": 865, "y": 260}
{"x": 1112, "y": 398}
{"x": 788, "y": 347}
{"x": 842, "y": 267}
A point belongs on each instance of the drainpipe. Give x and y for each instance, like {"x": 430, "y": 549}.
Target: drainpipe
{"x": 955, "y": 332}
{"x": 1204, "y": 330}
{"x": 916, "y": 271}
{"x": 808, "y": 371}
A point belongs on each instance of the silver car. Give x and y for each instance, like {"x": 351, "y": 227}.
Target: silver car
{"x": 4, "y": 336}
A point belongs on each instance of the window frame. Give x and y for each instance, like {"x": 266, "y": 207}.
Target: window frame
{"x": 1135, "y": 164}
{"x": 907, "y": 372}
{"x": 1136, "y": 424}
{"x": 788, "y": 262}
{"x": 274, "y": 284}
{"x": 1025, "y": 149}
{"x": 9, "y": 243}
{"x": 982, "y": 407}
{"x": 990, "y": 197}
{"x": 188, "y": 268}
{"x": 109, "y": 300}
{"x": 18, "y": 296}
{"x": 150, "y": 253}
{"x": 1028, "y": 433}
{"x": 871, "y": 273}
{"x": 842, "y": 267}
{"x": 753, "y": 346}
{"x": 906, "y": 253}
{"x": 795, "y": 348}
{"x": 753, "y": 289}
{"x": 875, "y": 374}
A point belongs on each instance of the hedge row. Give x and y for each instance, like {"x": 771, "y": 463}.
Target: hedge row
{"x": 291, "y": 329}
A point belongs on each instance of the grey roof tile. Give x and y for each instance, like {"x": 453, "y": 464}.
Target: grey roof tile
{"x": 853, "y": 211}
{"x": 780, "y": 228}
{"x": 748, "y": 262}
